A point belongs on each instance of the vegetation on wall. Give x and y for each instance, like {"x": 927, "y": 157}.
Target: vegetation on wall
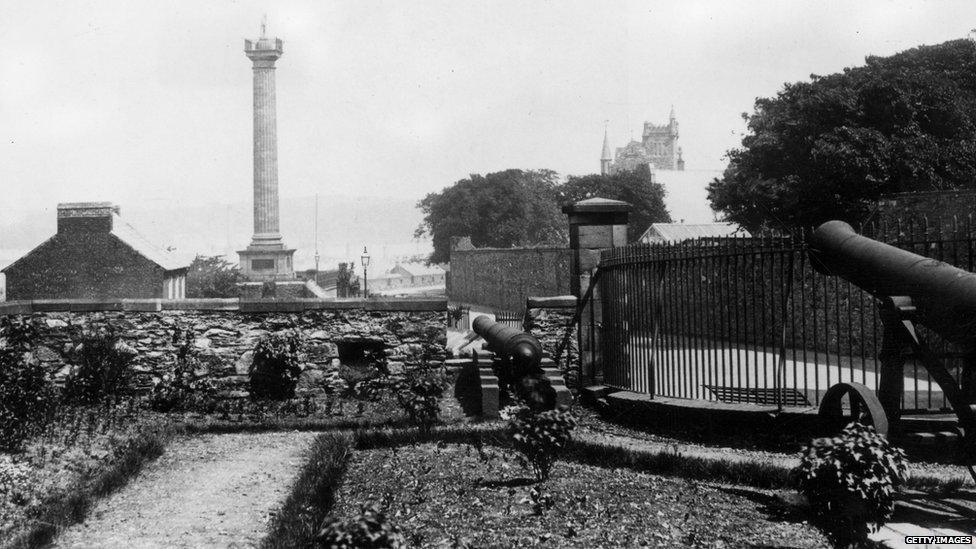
{"x": 828, "y": 148}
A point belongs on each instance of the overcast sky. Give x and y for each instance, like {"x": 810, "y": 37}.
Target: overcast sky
{"x": 151, "y": 101}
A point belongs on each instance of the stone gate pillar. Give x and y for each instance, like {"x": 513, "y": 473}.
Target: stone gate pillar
{"x": 595, "y": 224}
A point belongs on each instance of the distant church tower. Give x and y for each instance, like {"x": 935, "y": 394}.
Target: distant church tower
{"x": 657, "y": 148}
{"x": 661, "y": 143}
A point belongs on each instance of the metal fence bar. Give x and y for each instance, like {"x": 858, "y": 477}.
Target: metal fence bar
{"x": 752, "y": 314}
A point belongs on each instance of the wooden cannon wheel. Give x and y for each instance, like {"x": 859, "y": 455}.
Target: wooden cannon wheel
{"x": 865, "y": 408}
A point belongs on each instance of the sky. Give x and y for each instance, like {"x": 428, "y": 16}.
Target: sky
{"x": 149, "y": 103}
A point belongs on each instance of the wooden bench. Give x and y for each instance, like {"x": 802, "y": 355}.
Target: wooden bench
{"x": 755, "y": 395}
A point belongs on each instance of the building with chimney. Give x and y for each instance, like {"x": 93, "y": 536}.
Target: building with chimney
{"x": 266, "y": 263}
{"x": 658, "y": 149}
{"x": 95, "y": 254}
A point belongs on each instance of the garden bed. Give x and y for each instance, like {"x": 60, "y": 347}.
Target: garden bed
{"x": 443, "y": 494}
{"x": 85, "y": 454}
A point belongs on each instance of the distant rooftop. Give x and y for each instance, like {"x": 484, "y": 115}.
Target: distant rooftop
{"x": 678, "y": 232}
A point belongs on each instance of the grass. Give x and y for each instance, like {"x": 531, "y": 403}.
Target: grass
{"x": 443, "y": 494}
{"x": 313, "y": 494}
{"x": 68, "y": 472}
{"x": 674, "y": 464}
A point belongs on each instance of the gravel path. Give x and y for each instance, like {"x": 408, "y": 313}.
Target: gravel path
{"x": 205, "y": 491}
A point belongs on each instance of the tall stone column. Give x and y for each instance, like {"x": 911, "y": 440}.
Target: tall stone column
{"x": 263, "y": 55}
{"x": 266, "y": 257}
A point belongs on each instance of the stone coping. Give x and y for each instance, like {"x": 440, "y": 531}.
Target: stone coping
{"x": 551, "y": 302}
{"x": 233, "y": 304}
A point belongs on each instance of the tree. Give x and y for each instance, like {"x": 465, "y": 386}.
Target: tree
{"x": 212, "y": 276}
{"x": 634, "y": 187}
{"x": 501, "y": 209}
{"x": 828, "y": 148}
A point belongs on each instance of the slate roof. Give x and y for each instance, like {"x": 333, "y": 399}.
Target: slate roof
{"x": 677, "y": 232}
{"x": 169, "y": 261}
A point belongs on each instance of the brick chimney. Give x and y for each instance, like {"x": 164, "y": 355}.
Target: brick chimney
{"x": 86, "y": 216}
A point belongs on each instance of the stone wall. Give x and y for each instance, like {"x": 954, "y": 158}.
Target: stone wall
{"x": 342, "y": 339}
{"x": 935, "y": 206}
{"x": 503, "y": 278}
{"x": 547, "y": 319}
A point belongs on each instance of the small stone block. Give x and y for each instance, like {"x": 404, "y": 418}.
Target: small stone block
{"x": 490, "y": 395}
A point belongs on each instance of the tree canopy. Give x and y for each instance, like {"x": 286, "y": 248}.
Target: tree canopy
{"x": 499, "y": 210}
{"x": 634, "y": 187}
{"x": 828, "y": 148}
{"x": 212, "y": 276}
{"x": 516, "y": 208}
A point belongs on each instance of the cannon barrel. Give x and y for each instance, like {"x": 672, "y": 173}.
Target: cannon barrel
{"x": 522, "y": 349}
{"x": 944, "y": 296}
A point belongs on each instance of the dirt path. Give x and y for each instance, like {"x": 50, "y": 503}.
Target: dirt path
{"x": 205, "y": 491}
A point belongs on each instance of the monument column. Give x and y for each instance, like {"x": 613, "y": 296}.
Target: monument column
{"x": 266, "y": 257}
{"x": 263, "y": 55}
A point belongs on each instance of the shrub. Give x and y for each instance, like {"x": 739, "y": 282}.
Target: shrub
{"x": 850, "y": 481}
{"x": 26, "y": 392}
{"x": 101, "y": 367}
{"x": 183, "y": 391}
{"x": 275, "y": 370}
{"x": 455, "y": 313}
{"x": 369, "y": 530}
{"x": 419, "y": 396}
{"x": 539, "y": 436}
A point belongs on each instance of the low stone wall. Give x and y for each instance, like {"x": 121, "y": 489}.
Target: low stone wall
{"x": 503, "y": 278}
{"x": 339, "y": 338}
{"x": 546, "y": 318}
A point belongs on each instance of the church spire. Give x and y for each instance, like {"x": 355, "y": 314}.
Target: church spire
{"x": 606, "y": 158}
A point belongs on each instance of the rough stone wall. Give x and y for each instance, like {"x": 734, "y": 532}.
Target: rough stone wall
{"x": 935, "y": 206}
{"x": 547, "y": 321}
{"x": 503, "y": 278}
{"x": 223, "y": 341}
{"x": 83, "y": 265}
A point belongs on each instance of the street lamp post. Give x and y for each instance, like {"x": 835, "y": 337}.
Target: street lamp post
{"x": 365, "y": 260}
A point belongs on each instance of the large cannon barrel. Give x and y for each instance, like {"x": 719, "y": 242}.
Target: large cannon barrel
{"x": 944, "y": 296}
{"x": 522, "y": 349}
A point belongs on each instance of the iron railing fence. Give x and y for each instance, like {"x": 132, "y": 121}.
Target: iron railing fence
{"x": 751, "y": 320}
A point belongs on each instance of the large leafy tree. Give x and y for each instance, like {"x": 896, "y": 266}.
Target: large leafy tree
{"x": 828, "y": 148}
{"x": 636, "y": 187}
{"x": 212, "y": 276}
{"x": 501, "y": 209}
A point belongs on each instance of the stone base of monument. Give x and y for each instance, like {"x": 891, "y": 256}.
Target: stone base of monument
{"x": 278, "y": 289}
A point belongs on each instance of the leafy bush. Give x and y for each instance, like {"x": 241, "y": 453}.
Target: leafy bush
{"x": 101, "y": 367}
{"x": 455, "y": 313}
{"x": 419, "y": 396}
{"x": 275, "y": 370}
{"x": 539, "y": 436}
{"x": 183, "y": 391}
{"x": 369, "y": 530}
{"x": 26, "y": 392}
{"x": 850, "y": 481}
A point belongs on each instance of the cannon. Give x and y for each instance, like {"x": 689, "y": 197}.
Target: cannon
{"x": 911, "y": 289}
{"x": 521, "y": 350}
{"x": 512, "y": 365}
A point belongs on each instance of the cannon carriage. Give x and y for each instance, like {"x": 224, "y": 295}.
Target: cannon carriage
{"x": 912, "y": 292}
